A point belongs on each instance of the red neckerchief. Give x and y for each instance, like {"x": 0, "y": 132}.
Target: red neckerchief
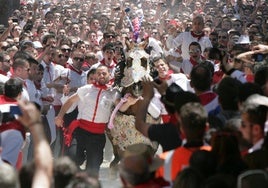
{"x": 15, "y": 125}
{"x": 217, "y": 77}
{"x": 198, "y": 36}
{"x": 3, "y": 73}
{"x": 6, "y": 100}
{"x": 168, "y": 76}
{"x": 75, "y": 70}
{"x": 97, "y": 85}
{"x": 207, "y": 97}
{"x": 112, "y": 65}
{"x": 37, "y": 85}
{"x": 193, "y": 62}
{"x": 11, "y": 70}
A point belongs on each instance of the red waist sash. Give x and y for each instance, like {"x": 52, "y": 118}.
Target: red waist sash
{"x": 92, "y": 127}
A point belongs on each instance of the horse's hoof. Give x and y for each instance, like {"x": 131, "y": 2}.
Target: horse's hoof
{"x": 114, "y": 162}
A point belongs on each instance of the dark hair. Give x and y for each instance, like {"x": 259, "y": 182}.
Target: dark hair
{"x": 201, "y": 77}
{"x": 19, "y": 62}
{"x": 139, "y": 174}
{"x": 193, "y": 120}
{"x": 256, "y": 113}
{"x": 188, "y": 177}
{"x": 184, "y": 97}
{"x": 40, "y": 27}
{"x": 226, "y": 150}
{"x": 32, "y": 61}
{"x": 228, "y": 91}
{"x": 215, "y": 54}
{"x": 13, "y": 87}
{"x": 26, "y": 174}
{"x": 204, "y": 161}
{"x": 247, "y": 89}
{"x": 91, "y": 71}
{"x": 195, "y": 44}
{"x": 46, "y": 37}
{"x": 63, "y": 170}
{"x": 21, "y": 55}
{"x": 261, "y": 76}
{"x": 108, "y": 46}
{"x": 83, "y": 180}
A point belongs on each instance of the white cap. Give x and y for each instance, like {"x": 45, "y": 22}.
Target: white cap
{"x": 243, "y": 39}
{"x": 37, "y": 44}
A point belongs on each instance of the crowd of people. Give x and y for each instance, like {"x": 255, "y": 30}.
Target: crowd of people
{"x": 200, "y": 93}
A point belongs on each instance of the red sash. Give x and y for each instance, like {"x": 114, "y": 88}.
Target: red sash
{"x": 13, "y": 125}
{"x": 96, "y": 128}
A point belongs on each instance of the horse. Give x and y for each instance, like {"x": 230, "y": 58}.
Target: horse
{"x": 135, "y": 66}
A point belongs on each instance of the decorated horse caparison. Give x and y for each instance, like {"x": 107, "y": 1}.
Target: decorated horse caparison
{"x": 122, "y": 125}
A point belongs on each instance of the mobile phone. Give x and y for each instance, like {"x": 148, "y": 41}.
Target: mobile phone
{"x": 15, "y": 20}
{"x": 258, "y": 57}
{"x": 117, "y": 9}
{"x": 15, "y": 110}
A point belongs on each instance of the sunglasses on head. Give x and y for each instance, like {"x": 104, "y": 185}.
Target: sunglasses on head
{"x": 89, "y": 57}
{"x": 66, "y": 49}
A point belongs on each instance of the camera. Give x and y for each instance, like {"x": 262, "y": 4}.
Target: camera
{"x": 15, "y": 20}
{"x": 157, "y": 80}
{"x": 15, "y": 110}
{"x": 258, "y": 57}
{"x": 117, "y": 9}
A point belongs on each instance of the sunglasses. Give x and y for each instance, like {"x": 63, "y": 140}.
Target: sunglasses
{"x": 78, "y": 59}
{"x": 4, "y": 47}
{"x": 194, "y": 51}
{"x": 66, "y": 49}
{"x": 222, "y": 37}
{"x": 109, "y": 36}
{"x": 236, "y": 25}
{"x": 61, "y": 55}
{"x": 7, "y": 61}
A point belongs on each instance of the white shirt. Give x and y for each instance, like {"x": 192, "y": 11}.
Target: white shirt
{"x": 96, "y": 104}
{"x": 3, "y": 78}
{"x": 256, "y": 146}
{"x": 34, "y": 94}
{"x": 181, "y": 80}
{"x": 48, "y": 77}
{"x": 185, "y": 39}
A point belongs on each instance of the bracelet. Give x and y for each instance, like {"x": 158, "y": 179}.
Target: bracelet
{"x": 36, "y": 122}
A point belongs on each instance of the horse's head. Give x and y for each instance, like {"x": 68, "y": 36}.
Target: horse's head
{"x": 137, "y": 65}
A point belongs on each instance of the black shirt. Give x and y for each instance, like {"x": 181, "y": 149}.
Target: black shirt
{"x": 167, "y": 135}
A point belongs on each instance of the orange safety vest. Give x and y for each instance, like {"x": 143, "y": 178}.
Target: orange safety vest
{"x": 176, "y": 160}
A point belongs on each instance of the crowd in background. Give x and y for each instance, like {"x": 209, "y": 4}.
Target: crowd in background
{"x": 205, "y": 102}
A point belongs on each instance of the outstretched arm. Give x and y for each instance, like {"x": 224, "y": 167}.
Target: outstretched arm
{"x": 31, "y": 118}
{"x": 59, "y": 118}
{"x": 148, "y": 93}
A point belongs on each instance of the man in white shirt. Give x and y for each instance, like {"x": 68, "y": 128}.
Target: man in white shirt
{"x": 88, "y": 129}
{"x": 195, "y": 35}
